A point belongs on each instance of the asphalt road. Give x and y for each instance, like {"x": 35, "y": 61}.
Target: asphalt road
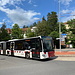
{"x": 20, "y": 66}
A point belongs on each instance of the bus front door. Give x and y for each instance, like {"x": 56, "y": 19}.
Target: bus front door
{"x": 36, "y": 48}
{"x": 35, "y": 53}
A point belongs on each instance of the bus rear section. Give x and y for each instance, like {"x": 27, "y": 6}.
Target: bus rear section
{"x": 3, "y": 47}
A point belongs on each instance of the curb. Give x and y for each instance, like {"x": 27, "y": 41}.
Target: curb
{"x": 65, "y": 53}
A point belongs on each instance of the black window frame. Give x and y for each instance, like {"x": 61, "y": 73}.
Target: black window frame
{"x": 18, "y": 45}
{"x": 27, "y": 44}
{"x": 7, "y": 45}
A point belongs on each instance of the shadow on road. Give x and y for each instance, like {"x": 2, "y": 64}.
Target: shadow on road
{"x": 44, "y": 60}
{"x": 35, "y": 59}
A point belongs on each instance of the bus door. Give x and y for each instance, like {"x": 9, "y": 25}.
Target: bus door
{"x": 12, "y": 48}
{"x": 36, "y": 48}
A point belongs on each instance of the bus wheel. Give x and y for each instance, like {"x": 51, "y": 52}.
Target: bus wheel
{"x": 27, "y": 55}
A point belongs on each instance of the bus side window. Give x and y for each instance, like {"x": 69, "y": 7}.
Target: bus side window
{"x": 38, "y": 44}
{"x": 33, "y": 44}
{"x": 18, "y": 45}
{"x": 26, "y": 45}
{"x": 8, "y": 45}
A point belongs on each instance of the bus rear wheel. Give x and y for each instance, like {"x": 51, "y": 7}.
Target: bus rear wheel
{"x": 27, "y": 55}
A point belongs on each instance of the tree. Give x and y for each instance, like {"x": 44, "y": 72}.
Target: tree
{"x": 54, "y": 35}
{"x": 3, "y": 26}
{"x": 71, "y": 23}
{"x": 72, "y": 31}
{"x": 52, "y": 21}
{"x": 4, "y": 36}
{"x": 42, "y": 28}
{"x": 63, "y": 28}
{"x": 16, "y": 32}
{"x": 43, "y": 19}
{"x": 29, "y": 33}
{"x": 34, "y": 24}
{"x": 25, "y": 26}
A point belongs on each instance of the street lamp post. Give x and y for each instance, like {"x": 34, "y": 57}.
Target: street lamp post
{"x": 59, "y": 26}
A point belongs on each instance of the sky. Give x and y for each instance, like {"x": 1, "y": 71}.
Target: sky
{"x": 26, "y": 12}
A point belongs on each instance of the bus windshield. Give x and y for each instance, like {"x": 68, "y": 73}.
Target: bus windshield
{"x": 47, "y": 44}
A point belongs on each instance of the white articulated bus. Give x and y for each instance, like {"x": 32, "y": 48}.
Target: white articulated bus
{"x": 36, "y": 47}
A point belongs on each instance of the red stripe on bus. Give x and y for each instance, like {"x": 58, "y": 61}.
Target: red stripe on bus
{"x": 35, "y": 52}
{"x": 51, "y": 53}
{"x": 19, "y": 51}
{"x": 15, "y": 51}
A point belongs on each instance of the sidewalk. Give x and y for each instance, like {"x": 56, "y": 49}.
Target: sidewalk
{"x": 65, "y": 52}
{"x": 65, "y": 58}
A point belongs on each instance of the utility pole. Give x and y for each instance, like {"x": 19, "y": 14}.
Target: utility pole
{"x": 59, "y": 25}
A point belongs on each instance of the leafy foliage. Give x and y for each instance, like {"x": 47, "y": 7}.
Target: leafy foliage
{"x": 25, "y": 26}
{"x": 52, "y": 21}
{"x": 71, "y": 23}
{"x": 29, "y": 33}
{"x": 42, "y": 28}
{"x": 16, "y": 32}
{"x": 54, "y": 34}
{"x": 4, "y": 36}
{"x": 72, "y": 31}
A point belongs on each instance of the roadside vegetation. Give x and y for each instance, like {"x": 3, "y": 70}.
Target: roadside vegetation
{"x": 48, "y": 26}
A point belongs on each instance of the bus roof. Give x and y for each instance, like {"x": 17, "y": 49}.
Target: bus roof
{"x": 2, "y": 42}
{"x": 23, "y": 39}
{"x": 29, "y": 38}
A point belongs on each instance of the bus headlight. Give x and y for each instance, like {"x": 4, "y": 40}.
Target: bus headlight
{"x": 43, "y": 55}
